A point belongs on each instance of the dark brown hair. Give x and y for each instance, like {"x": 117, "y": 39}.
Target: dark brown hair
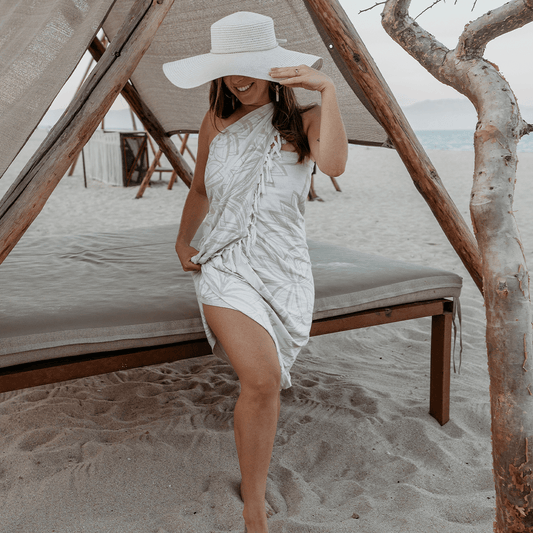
{"x": 287, "y": 117}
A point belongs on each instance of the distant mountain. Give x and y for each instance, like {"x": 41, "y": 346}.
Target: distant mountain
{"x": 450, "y": 114}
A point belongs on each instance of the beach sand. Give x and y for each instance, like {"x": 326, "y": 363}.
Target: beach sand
{"x": 151, "y": 450}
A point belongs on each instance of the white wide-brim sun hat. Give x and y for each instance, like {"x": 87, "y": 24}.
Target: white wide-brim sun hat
{"x": 242, "y": 44}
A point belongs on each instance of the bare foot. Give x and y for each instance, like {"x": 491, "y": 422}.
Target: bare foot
{"x": 268, "y": 508}
{"x": 256, "y": 526}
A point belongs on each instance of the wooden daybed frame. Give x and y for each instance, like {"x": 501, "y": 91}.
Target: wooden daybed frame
{"x": 66, "y": 368}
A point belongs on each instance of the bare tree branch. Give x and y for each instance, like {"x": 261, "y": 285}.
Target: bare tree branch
{"x": 492, "y": 24}
{"x": 415, "y": 40}
{"x": 428, "y": 8}
{"x": 526, "y": 129}
{"x": 372, "y": 7}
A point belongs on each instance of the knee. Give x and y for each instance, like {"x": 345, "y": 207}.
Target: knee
{"x": 262, "y": 388}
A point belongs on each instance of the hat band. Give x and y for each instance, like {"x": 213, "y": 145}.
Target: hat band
{"x": 233, "y": 51}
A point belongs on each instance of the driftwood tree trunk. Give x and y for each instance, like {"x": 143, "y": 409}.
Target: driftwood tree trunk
{"x": 505, "y": 275}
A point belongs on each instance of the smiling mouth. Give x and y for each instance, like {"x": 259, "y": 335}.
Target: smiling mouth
{"x": 245, "y": 88}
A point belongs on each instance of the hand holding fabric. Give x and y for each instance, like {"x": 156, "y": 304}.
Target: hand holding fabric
{"x": 185, "y": 253}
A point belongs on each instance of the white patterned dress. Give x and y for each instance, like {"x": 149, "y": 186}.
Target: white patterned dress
{"x": 253, "y": 251}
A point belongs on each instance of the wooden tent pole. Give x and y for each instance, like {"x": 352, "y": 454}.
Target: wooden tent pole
{"x": 150, "y": 122}
{"x": 183, "y": 140}
{"x": 73, "y": 166}
{"x": 335, "y": 184}
{"x": 333, "y": 23}
{"x": 27, "y": 195}
{"x": 84, "y": 170}
{"x": 148, "y": 175}
{"x": 183, "y": 147}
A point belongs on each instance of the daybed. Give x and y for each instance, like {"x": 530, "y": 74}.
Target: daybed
{"x": 73, "y": 306}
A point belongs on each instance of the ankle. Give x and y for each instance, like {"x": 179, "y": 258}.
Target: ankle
{"x": 254, "y": 508}
{"x": 255, "y": 519}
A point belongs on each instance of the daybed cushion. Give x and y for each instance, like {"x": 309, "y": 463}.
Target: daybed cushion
{"x": 71, "y": 295}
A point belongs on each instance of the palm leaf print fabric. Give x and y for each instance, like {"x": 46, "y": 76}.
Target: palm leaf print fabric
{"x": 253, "y": 251}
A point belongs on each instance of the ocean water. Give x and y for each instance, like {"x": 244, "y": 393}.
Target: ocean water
{"x": 462, "y": 140}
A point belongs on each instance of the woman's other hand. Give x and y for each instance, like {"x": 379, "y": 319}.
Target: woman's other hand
{"x": 302, "y": 76}
{"x": 185, "y": 252}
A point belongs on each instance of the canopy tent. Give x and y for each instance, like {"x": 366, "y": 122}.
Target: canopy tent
{"x": 38, "y": 60}
{"x": 182, "y": 110}
{"x": 163, "y": 30}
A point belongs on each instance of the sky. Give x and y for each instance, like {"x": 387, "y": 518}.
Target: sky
{"x": 408, "y": 80}
{"x": 412, "y": 83}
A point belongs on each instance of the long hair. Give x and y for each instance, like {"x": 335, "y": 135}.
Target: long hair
{"x": 287, "y": 117}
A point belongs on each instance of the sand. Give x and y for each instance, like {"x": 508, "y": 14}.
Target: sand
{"x": 151, "y": 450}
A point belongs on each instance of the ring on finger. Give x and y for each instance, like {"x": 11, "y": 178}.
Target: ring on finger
{"x": 296, "y": 70}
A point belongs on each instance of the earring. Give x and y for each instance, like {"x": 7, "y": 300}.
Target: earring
{"x": 277, "y": 92}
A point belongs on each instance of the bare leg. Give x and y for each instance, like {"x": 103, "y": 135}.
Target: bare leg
{"x": 252, "y": 353}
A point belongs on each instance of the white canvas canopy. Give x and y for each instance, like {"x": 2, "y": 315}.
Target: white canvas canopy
{"x": 42, "y": 42}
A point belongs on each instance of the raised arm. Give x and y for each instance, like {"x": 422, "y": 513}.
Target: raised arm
{"x": 196, "y": 204}
{"x": 325, "y": 130}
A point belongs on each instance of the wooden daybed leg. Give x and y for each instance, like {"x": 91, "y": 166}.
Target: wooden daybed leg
{"x": 439, "y": 389}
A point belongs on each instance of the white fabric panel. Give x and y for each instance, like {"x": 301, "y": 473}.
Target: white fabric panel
{"x": 103, "y": 158}
{"x": 41, "y": 42}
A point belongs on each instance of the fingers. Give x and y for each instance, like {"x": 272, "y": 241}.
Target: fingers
{"x": 189, "y": 266}
{"x": 290, "y": 72}
{"x": 301, "y": 76}
{"x": 185, "y": 254}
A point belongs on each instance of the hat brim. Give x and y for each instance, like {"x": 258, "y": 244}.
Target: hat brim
{"x": 195, "y": 71}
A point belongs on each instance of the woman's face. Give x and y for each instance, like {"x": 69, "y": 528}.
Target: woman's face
{"x": 250, "y": 91}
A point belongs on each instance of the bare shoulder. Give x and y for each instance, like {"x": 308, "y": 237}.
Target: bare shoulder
{"x": 208, "y": 129}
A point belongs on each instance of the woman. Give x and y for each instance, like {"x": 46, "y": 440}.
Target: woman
{"x": 252, "y": 271}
